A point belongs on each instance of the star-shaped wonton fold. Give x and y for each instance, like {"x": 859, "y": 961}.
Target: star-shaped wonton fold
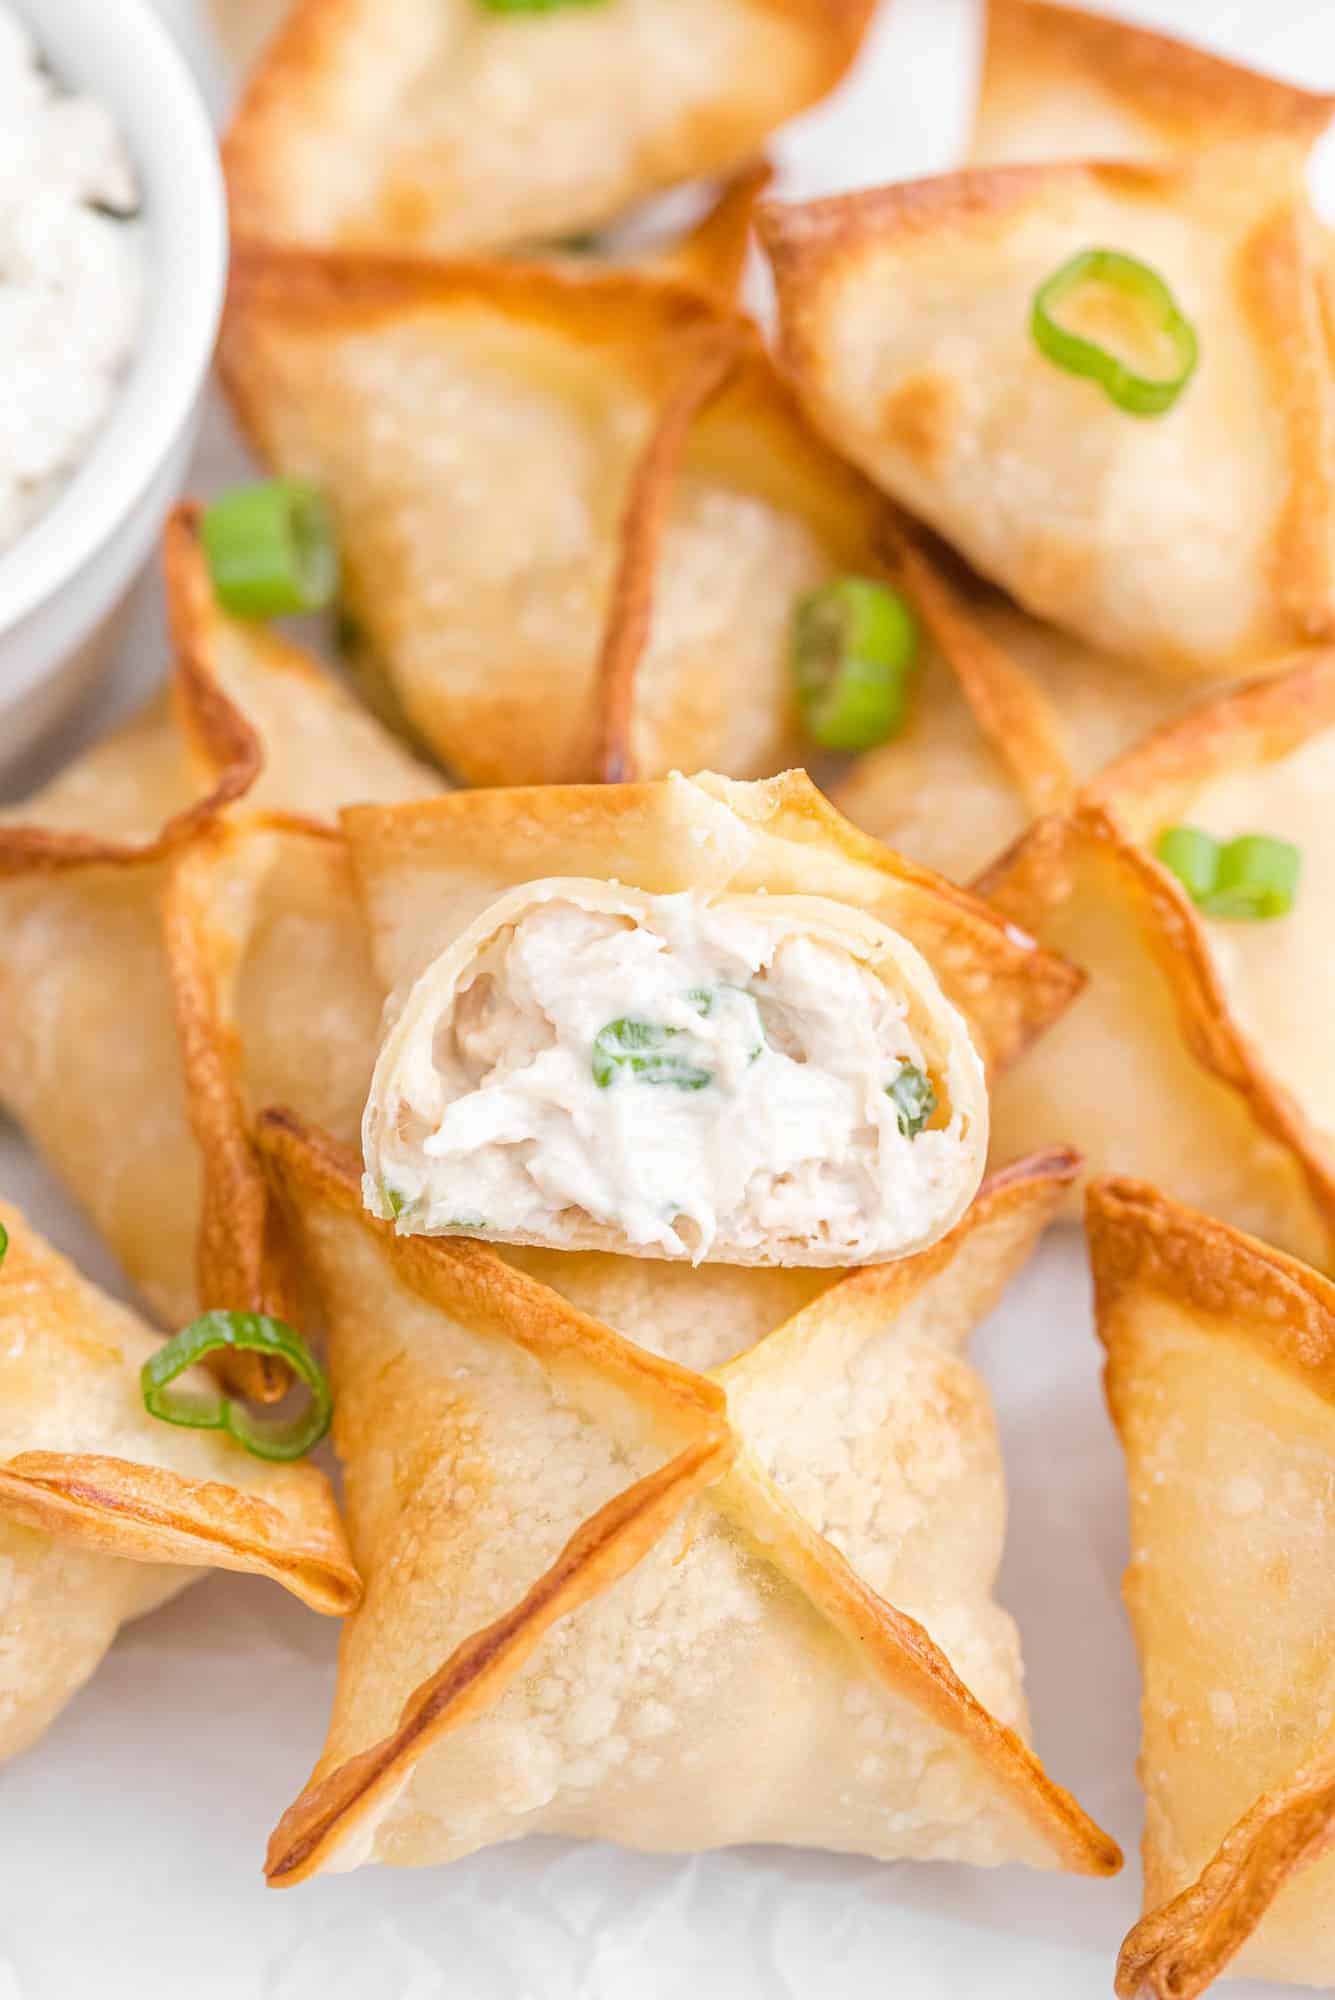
{"x": 106, "y": 1512}
{"x": 1221, "y": 1381}
{"x": 1061, "y": 84}
{"x": 1219, "y": 1031}
{"x": 576, "y": 516}
{"x": 1200, "y": 540}
{"x": 549, "y": 1642}
{"x": 453, "y": 127}
{"x": 88, "y": 1059}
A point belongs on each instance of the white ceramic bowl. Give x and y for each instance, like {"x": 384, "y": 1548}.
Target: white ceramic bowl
{"x": 62, "y": 581}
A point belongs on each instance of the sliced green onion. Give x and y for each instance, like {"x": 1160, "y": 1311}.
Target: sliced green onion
{"x": 639, "y": 1048}
{"x": 531, "y": 6}
{"x": 913, "y": 1097}
{"x": 271, "y": 549}
{"x": 853, "y": 646}
{"x": 208, "y": 1409}
{"x": 1139, "y": 395}
{"x": 4, "y": 1242}
{"x": 1191, "y": 855}
{"x": 1250, "y": 879}
{"x": 395, "y": 1202}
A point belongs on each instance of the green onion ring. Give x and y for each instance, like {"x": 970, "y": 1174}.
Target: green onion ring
{"x": 4, "y": 1242}
{"x": 271, "y": 549}
{"x": 914, "y": 1097}
{"x": 1139, "y": 395}
{"x": 211, "y": 1410}
{"x": 852, "y": 650}
{"x": 1251, "y": 879}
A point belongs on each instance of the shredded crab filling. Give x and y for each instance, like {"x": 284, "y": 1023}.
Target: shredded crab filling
{"x": 689, "y": 1079}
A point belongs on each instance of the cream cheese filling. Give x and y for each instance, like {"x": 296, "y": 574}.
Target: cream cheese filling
{"x": 696, "y": 1080}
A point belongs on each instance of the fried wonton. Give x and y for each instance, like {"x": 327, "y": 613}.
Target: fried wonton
{"x": 1221, "y": 1381}
{"x": 1218, "y": 1029}
{"x": 427, "y": 871}
{"x": 553, "y": 1640}
{"x": 576, "y": 516}
{"x": 1005, "y": 717}
{"x": 1197, "y": 541}
{"x": 105, "y": 1512}
{"x": 1061, "y": 84}
{"x": 449, "y": 127}
{"x": 88, "y": 1060}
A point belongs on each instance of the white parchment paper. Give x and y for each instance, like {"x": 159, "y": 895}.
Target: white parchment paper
{"x": 131, "y": 1838}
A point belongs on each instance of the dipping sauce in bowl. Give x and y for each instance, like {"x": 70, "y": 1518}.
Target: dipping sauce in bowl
{"x": 71, "y": 276}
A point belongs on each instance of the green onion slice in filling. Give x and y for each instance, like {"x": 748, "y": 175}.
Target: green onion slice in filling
{"x": 1133, "y": 285}
{"x": 852, "y": 649}
{"x": 1250, "y": 879}
{"x": 271, "y": 549}
{"x": 532, "y": 6}
{"x": 4, "y": 1242}
{"x": 208, "y": 1409}
{"x": 640, "y": 1049}
{"x": 913, "y": 1097}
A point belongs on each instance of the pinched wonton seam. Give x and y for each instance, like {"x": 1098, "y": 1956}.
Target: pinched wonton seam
{"x": 1148, "y": 1251}
{"x": 389, "y": 125}
{"x": 603, "y": 1549}
{"x": 1058, "y": 82}
{"x": 279, "y": 1522}
{"x": 893, "y": 1647}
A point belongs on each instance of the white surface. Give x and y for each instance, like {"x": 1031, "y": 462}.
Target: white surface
{"x": 131, "y": 1838}
{"x": 65, "y": 575}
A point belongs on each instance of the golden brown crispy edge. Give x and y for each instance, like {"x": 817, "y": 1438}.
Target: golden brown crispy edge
{"x": 731, "y": 371}
{"x": 1280, "y": 269}
{"x": 144, "y": 1512}
{"x": 713, "y": 253}
{"x": 1191, "y": 95}
{"x": 1009, "y": 988}
{"x": 1141, "y": 1242}
{"x": 296, "y": 61}
{"x": 609, "y": 1544}
{"x": 1034, "y": 877}
{"x": 217, "y": 731}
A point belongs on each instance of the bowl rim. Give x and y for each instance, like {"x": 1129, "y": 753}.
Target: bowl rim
{"x": 186, "y": 279}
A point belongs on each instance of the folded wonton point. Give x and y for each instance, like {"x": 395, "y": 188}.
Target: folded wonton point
{"x": 1221, "y": 1382}
{"x": 105, "y": 1511}
{"x": 540, "y": 1649}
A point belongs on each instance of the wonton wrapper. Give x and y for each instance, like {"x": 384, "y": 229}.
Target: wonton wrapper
{"x": 1198, "y": 541}
{"x": 576, "y": 515}
{"x": 1201, "y": 1050}
{"x": 550, "y": 1644}
{"x": 105, "y": 1512}
{"x": 425, "y": 876}
{"x": 937, "y": 1029}
{"x": 427, "y": 871}
{"x": 1221, "y": 1381}
{"x": 88, "y": 1061}
{"x": 1061, "y": 84}
{"x": 1005, "y": 718}
{"x": 439, "y": 127}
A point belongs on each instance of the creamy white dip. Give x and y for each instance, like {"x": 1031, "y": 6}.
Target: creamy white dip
{"x": 71, "y": 278}
{"x": 697, "y": 1081}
